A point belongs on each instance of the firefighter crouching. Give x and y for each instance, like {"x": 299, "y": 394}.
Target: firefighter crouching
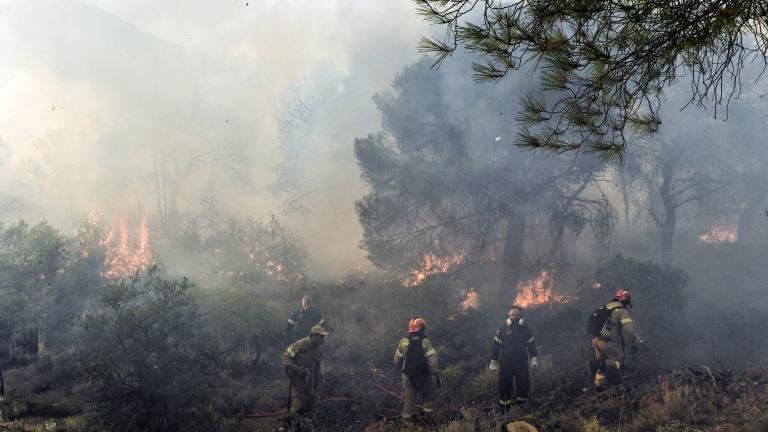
{"x": 302, "y": 364}
{"x": 418, "y": 361}
{"x": 513, "y": 344}
{"x": 617, "y": 332}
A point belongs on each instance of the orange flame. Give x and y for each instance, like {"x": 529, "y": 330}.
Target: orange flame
{"x": 431, "y": 264}
{"x": 471, "y": 302}
{"x": 127, "y": 256}
{"x": 723, "y": 233}
{"x": 272, "y": 267}
{"x": 538, "y": 291}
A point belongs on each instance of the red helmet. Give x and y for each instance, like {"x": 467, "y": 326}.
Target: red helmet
{"x": 416, "y": 325}
{"x": 623, "y": 295}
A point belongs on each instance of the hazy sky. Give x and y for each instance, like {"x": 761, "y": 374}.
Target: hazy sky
{"x": 96, "y": 95}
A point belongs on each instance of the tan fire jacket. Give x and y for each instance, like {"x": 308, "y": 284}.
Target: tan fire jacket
{"x": 620, "y": 327}
{"x": 299, "y": 356}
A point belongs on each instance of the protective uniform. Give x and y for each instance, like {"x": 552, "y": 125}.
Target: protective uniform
{"x": 512, "y": 346}
{"x": 302, "y": 321}
{"x": 302, "y": 364}
{"x": 618, "y": 332}
{"x": 420, "y": 382}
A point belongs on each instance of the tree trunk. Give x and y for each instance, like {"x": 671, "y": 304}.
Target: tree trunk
{"x": 511, "y": 259}
{"x": 41, "y": 336}
{"x": 670, "y": 213}
{"x": 625, "y": 196}
{"x": 752, "y": 218}
{"x": 159, "y": 190}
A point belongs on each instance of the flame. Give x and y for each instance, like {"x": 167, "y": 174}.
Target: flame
{"x": 722, "y": 233}
{"x": 538, "y": 291}
{"x": 431, "y": 264}
{"x": 471, "y": 302}
{"x": 271, "y": 266}
{"x": 127, "y": 256}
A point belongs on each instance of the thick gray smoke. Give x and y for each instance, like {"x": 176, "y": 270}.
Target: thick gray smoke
{"x": 253, "y": 107}
{"x": 154, "y": 107}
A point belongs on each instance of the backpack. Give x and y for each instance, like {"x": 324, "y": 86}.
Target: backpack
{"x": 415, "y": 365}
{"x": 596, "y": 325}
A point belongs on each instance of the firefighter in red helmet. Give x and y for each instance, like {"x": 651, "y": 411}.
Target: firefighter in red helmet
{"x": 417, "y": 359}
{"x": 610, "y": 341}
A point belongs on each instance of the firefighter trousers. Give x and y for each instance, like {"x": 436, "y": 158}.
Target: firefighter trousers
{"x": 607, "y": 365}
{"x": 422, "y": 386}
{"x": 302, "y": 399}
{"x": 514, "y": 384}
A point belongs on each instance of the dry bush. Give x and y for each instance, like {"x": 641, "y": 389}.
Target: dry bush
{"x": 593, "y": 425}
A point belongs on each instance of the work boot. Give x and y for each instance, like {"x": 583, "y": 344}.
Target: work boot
{"x": 306, "y": 424}
{"x": 505, "y": 404}
{"x": 408, "y": 423}
{"x": 600, "y": 380}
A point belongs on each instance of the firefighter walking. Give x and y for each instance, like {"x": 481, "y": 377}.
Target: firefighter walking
{"x": 417, "y": 359}
{"x": 302, "y": 364}
{"x": 610, "y": 339}
{"x": 512, "y": 346}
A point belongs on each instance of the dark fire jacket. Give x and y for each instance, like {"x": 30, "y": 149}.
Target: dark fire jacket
{"x": 512, "y": 345}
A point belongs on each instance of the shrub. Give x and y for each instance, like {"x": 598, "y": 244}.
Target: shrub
{"x": 149, "y": 357}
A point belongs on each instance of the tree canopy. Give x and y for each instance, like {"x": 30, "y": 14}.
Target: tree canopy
{"x": 444, "y": 186}
{"x": 603, "y": 64}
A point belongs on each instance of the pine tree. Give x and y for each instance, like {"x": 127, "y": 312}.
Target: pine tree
{"x": 602, "y": 64}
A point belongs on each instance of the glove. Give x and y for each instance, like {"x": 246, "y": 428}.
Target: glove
{"x": 633, "y": 349}
{"x": 438, "y": 381}
{"x": 534, "y": 362}
{"x": 494, "y": 365}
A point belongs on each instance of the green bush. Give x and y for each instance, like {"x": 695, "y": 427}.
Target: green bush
{"x": 150, "y": 359}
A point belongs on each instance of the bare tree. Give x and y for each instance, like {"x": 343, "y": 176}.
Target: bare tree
{"x": 675, "y": 181}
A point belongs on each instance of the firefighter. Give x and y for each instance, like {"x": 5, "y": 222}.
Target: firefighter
{"x": 417, "y": 359}
{"x": 617, "y": 332}
{"x": 513, "y": 344}
{"x": 302, "y": 364}
{"x": 301, "y": 321}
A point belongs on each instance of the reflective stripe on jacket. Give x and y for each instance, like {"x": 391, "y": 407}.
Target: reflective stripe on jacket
{"x": 513, "y": 344}
{"x": 621, "y": 327}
